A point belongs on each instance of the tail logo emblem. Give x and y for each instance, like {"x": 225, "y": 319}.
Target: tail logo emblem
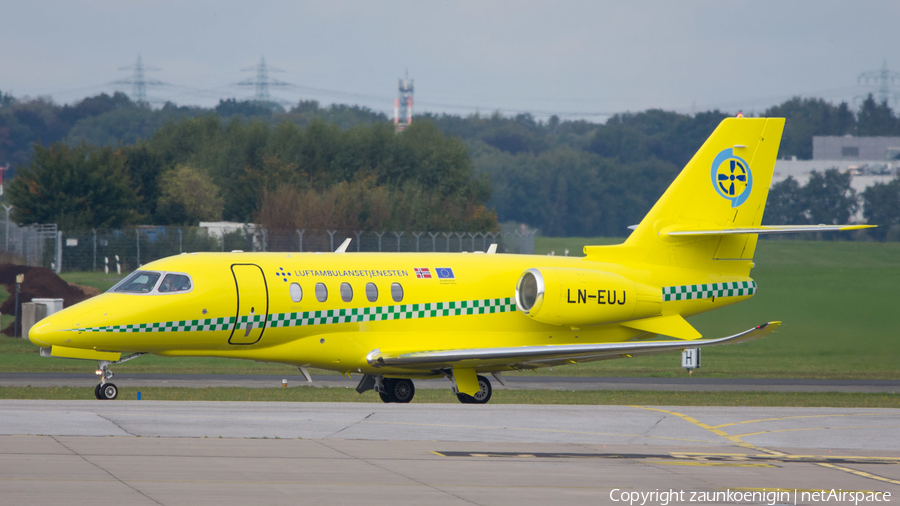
{"x": 731, "y": 177}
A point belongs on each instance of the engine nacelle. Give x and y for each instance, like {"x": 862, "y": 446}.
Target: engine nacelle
{"x": 576, "y": 297}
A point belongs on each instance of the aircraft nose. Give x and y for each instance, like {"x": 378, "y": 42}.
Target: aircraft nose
{"x": 43, "y": 333}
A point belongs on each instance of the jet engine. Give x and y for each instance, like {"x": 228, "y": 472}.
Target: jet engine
{"x": 575, "y": 297}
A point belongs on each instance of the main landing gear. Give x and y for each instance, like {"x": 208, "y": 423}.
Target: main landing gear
{"x": 402, "y": 390}
{"x": 481, "y": 397}
{"x": 399, "y": 390}
{"x": 107, "y": 391}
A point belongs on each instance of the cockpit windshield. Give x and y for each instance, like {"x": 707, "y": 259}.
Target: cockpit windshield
{"x": 139, "y": 282}
{"x": 175, "y": 283}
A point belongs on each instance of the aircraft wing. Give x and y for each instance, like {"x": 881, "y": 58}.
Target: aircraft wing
{"x": 525, "y": 356}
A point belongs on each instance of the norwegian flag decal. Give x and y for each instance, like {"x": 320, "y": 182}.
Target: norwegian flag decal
{"x": 422, "y": 272}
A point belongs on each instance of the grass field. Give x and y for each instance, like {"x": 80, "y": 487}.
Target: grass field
{"x": 623, "y": 397}
{"x": 838, "y": 300}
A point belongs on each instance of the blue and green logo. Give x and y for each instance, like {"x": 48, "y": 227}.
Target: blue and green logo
{"x": 731, "y": 177}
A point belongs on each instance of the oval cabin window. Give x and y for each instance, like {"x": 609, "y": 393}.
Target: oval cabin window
{"x": 346, "y": 292}
{"x": 321, "y": 292}
{"x": 396, "y": 292}
{"x": 371, "y": 292}
{"x": 296, "y": 292}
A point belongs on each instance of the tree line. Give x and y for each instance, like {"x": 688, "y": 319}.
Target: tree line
{"x": 206, "y": 169}
{"x": 344, "y": 165}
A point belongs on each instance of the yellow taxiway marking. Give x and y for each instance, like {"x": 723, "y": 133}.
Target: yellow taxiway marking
{"x": 736, "y": 439}
{"x": 705, "y": 464}
{"x": 761, "y": 420}
{"x": 719, "y": 432}
{"x": 785, "y": 458}
{"x": 799, "y": 429}
{"x": 859, "y": 473}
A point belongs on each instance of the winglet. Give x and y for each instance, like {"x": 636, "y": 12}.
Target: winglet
{"x": 673, "y": 326}
{"x": 343, "y": 247}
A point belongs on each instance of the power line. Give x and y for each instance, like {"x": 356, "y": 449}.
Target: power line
{"x": 882, "y": 80}
{"x": 262, "y": 81}
{"x": 139, "y": 80}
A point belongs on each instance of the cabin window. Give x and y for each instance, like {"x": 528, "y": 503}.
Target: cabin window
{"x": 396, "y": 292}
{"x": 346, "y": 292}
{"x": 296, "y": 292}
{"x": 175, "y": 283}
{"x": 321, "y": 292}
{"x": 371, "y": 292}
{"x": 139, "y": 282}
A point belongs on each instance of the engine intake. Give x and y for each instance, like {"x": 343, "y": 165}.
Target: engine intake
{"x": 575, "y": 297}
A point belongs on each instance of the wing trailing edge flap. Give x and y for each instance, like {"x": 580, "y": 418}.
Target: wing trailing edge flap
{"x": 476, "y": 357}
{"x": 673, "y": 326}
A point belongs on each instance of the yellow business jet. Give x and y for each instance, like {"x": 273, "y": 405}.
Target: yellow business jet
{"x": 397, "y": 317}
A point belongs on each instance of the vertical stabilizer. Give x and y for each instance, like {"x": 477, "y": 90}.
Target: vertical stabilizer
{"x": 724, "y": 185}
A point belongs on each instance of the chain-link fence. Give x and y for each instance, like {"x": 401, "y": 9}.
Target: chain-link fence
{"x": 127, "y": 249}
{"x": 32, "y": 245}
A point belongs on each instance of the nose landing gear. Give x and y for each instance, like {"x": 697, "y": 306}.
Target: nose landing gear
{"x": 107, "y": 391}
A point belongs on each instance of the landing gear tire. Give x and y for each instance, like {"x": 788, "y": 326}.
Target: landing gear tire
{"x": 107, "y": 391}
{"x": 97, "y": 392}
{"x": 481, "y": 397}
{"x": 399, "y": 390}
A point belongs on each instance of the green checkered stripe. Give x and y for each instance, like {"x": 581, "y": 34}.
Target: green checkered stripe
{"x": 179, "y": 326}
{"x": 399, "y": 312}
{"x": 709, "y": 290}
{"x": 308, "y": 318}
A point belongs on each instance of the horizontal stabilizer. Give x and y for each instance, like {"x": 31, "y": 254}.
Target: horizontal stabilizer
{"x": 532, "y": 356}
{"x": 763, "y": 229}
{"x": 673, "y": 326}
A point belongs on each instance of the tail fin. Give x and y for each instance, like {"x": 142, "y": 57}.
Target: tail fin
{"x": 725, "y": 185}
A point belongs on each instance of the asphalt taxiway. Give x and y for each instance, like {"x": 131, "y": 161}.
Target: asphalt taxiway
{"x": 683, "y": 384}
{"x": 143, "y": 452}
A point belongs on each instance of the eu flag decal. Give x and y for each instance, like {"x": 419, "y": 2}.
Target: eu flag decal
{"x": 444, "y": 273}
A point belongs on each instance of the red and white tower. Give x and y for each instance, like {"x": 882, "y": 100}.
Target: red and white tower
{"x": 403, "y": 105}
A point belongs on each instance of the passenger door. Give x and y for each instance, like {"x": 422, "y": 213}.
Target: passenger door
{"x": 252, "y": 306}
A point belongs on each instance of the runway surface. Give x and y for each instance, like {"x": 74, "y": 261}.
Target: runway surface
{"x": 685, "y": 384}
{"x": 172, "y": 453}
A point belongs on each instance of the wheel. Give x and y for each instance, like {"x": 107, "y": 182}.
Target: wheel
{"x": 108, "y": 392}
{"x": 388, "y": 386}
{"x": 397, "y": 390}
{"x": 402, "y": 390}
{"x": 464, "y": 398}
{"x": 481, "y": 397}
{"x": 97, "y": 391}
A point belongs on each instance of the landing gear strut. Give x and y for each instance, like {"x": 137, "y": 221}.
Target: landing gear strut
{"x": 481, "y": 397}
{"x": 107, "y": 391}
{"x": 399, "y": 390}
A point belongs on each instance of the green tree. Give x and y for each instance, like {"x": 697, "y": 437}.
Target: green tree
{"x": 785, "y": 204}
{"x": 187, "y": 196}
{"x": 76, "y": 188}
{"x": 807, "y": 117}
{"x": 876, "y": 119}
{"x": 829, "y": 198}
{"x": 881, "y": 206}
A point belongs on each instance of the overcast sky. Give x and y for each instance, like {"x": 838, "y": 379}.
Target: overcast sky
{"x": 577, "y": 58}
